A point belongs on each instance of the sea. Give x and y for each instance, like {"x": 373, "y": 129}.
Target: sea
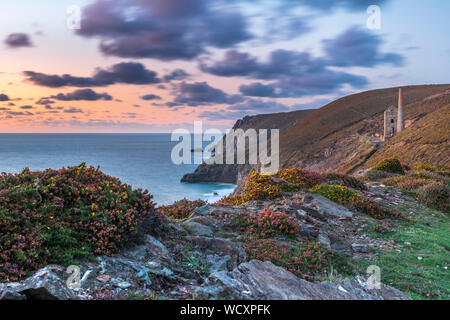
{"x": 140, "y": 160}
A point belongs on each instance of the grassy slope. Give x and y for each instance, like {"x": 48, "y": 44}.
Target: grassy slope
{"x": 424, "y": 278}
{"x": 347, "y": 118}
{"x": 426, "y": 141}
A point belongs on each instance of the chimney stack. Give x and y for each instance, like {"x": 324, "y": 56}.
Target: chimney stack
{"x": 400, "y": 119}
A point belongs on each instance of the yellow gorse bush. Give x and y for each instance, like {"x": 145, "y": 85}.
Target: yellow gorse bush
{"x": 336, "y": 193}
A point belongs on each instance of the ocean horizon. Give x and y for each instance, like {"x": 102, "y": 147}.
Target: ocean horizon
{"x": 142, "y": 160}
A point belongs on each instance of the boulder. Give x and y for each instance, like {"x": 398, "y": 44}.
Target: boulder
{"x": 265, "y": 281}
{"x": 197, "y": 228}
{"x": 45, "y": 284}
{"x": 326, "y": 206}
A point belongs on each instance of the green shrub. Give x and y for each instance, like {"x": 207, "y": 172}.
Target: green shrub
{"x": 336, "y": 193}
{"x": 435, "y": 195}
{"x": 390, "y": 165}
{"x": 56, "y": 216}
{"x": 181, "y": 209}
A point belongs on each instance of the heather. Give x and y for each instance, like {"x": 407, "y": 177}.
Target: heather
{"x": 57, "y": 216}
{"x": 181, "y": 209}
{"x": 309, "y": 261}
{"x": 268, "y": 224}
{"x": 435, "y": 195}
{"x": 428, "y": 184}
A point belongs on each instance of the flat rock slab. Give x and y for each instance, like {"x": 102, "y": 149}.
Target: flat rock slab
{"x": 197, "y": 228}
{"x": 265, "y": 281}
{"x": 45, "y": 284}
{"x": 326, "y": 206}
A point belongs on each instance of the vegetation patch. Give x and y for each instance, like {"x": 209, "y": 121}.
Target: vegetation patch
{"x": 264, "y": 187}
{"x": 353, "y": 200}
{"x": 435, "y": 195}
{"x": 429, "y": 185}
{"x": 346, "y": 180}
{"x": 301, "y": 178}
{"x": 390, "y": 165}
{"x": 181, "y": 209}
{"x": 267, "y": 224}
{"x": 309, "y": 261}
{"x": 56, "y": 216}
{"x": 419, "y": 265}
{"x": 337, "y": 193}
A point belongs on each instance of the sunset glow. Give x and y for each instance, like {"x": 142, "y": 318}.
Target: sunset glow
{"x": 220, "y": 74}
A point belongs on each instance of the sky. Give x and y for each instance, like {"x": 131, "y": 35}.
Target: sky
{"x": 160, "y": 65}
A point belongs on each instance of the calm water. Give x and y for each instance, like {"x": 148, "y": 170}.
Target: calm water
{"x": 141, "y": 160}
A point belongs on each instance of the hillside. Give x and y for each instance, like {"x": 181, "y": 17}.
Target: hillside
{"x": 426, "y": 141}
{"x": 340, "y": 136}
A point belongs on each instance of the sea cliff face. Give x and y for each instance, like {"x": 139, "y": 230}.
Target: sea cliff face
{"x": 232, "y": 173}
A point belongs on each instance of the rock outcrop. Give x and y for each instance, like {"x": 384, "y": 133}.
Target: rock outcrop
{"x": 257, "y": 280}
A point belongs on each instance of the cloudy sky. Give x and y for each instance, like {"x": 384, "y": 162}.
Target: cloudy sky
{"x": 157, "y": 65}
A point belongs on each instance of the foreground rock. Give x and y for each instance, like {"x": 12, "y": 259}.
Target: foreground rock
{"x": 45, "y": 284}
{"x": 264, "y": 281}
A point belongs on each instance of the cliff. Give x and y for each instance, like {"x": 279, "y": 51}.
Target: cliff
{"x": 229, "y": 173}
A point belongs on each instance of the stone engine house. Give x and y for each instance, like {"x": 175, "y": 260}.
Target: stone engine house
{"x": 394, "y": 121}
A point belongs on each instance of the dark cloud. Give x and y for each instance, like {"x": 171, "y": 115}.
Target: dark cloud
{"x": 4, "y": 97}
{"x": 26, "y": 107}
{"x": 296, "y": 74}
{"x": 73, "y": 110}
{"x": 323, "y": 82}
{"x": 125, "y": 72}
{"x": 82, "y": 94}
{"x": 44, "y": 101}
{"x": 234, "y": 64}
{"x": 177, "y": 74}
{"x": 16, "y": 40}
{"x": 200, "y": 93}
{"x": 281, "y": 63}
{"x": 359, "y": 47}
{"x": 162, "y": 29}
{"x": 258, "y": 89}
{"x": 151, "y": 97}
{"x": 240, "y": 110}
{"x": 20, "y": 113}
